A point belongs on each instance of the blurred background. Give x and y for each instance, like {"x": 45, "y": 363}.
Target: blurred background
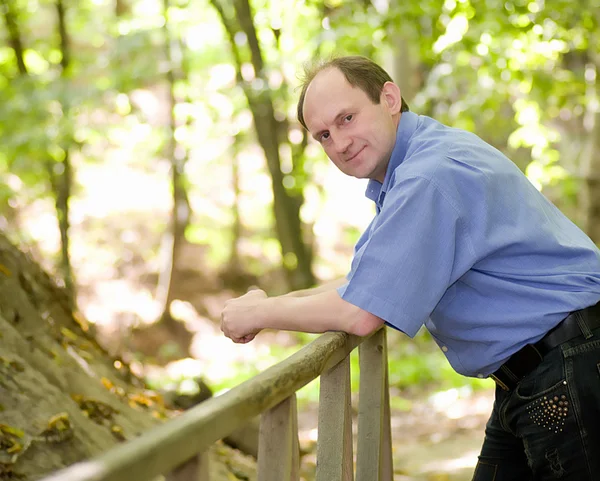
{"x": 152, "y": 161}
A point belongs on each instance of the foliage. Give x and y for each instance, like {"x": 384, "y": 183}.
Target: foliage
{"x": 522, "y": 74}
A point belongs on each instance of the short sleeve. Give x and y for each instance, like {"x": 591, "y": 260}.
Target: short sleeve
{"x": 407, "y": 261}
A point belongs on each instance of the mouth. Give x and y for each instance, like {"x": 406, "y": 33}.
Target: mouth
{"x": 349, "y": 159}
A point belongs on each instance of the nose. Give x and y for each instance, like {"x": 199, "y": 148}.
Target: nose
{"x": 341, "y": 142}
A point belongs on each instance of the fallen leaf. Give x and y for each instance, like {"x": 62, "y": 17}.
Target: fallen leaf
{"x": 10, "y": 430}
{"x": 117, "y": 432}
{"x": 83, "y": 323}
{"x": 59, "y": 422}
{"x": 107, "y": 383}
{"x": 15, "y": 448}
{"x": 68, "y": 334}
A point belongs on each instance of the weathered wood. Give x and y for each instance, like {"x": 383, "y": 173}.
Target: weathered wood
{"x": 387, "y": 465}
{"x": 278, "y": 448}
{"x": 334, "y": 445}
{"x": 374, "y": 445}
{"x": 196, "y": 469}
{"x": 163, "y": 448}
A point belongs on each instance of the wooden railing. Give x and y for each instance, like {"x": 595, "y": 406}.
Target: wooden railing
{"x": 178, "y": 448}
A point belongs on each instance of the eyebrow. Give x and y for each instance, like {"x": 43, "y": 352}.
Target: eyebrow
{"x": 341, "y": 113}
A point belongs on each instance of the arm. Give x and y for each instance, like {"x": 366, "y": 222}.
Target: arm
{"x": 327, "y": 286}
{"x": 244, "y": 317}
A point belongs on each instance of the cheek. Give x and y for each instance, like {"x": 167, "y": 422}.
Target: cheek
{"x": 384, "y": 138}
{"x": 331, "y": 155}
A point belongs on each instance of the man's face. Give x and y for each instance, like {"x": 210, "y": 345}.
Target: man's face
{"x": 356, "y": 134}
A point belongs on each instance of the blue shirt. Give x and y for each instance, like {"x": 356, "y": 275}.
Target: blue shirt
{"x": 463, "y": 243}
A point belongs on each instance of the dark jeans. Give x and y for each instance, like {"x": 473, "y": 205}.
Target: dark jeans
{"x": 548, "y": 427}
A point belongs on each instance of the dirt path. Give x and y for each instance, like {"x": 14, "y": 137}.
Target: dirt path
{"x": 437, "y": 439}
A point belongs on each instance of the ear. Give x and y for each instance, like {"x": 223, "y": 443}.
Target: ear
{"x": 390, "y": 94}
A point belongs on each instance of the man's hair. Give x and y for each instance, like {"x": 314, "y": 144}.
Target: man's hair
{"x": 359, "y": 71}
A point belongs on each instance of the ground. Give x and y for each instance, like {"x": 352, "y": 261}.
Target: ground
{"x": 437, "y": 439}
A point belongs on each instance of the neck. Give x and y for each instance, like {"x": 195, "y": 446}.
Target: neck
{"x": 380, "y": 176}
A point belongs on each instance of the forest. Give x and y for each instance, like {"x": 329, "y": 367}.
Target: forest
{"x": 153, "y": 165}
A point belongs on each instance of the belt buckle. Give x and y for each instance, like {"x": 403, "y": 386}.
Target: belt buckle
{"x": 499, "y": 382}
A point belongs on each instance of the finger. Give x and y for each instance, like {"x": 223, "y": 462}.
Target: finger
{"x": 243, "y": 339}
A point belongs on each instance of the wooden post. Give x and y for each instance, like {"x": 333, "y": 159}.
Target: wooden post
{"x": 278, "y": 448}
{"x": 387, "y": 463}
{"x": 196, "y": 469}
{"x": 334, "y": 445}
{"x": 374, "y": 450}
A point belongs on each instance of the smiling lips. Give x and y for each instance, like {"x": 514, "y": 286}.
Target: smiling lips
{"x": 354, "y": 155}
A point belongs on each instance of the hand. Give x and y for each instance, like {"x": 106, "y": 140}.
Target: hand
{"x": 239, "y": 318}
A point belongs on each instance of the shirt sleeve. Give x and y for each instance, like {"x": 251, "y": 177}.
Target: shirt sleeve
{"x": 406, "y": 264}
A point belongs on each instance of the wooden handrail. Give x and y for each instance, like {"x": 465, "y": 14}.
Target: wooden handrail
{"x": 185, "y": 438}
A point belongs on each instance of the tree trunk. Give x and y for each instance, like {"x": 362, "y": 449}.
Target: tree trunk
{"x": 177, "y": 154}
{"x": 14, "y": 34}
{"x": 236, "y": 228}
{"x": 404, "y": 69}
{"x": 62, "y": 397}
{"x": 61, "y": 173}
{"x": 122, "y": 8}
{"x": 297, "y": 257}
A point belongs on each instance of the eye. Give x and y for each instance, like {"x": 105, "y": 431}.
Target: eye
{"x": 348, "y": 118}
{"x": 324, "y": 136}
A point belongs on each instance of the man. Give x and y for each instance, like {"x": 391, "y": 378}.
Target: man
{"x": 464, "y": 244}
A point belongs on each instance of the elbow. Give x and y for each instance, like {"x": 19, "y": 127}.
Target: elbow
{"x": 365, "y": 323}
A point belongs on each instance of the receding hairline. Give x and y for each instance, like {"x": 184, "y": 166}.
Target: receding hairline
{"x": 328, "y": 69}
{"x": 358, "y": 71}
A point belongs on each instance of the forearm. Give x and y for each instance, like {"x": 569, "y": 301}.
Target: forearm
{"x": 325, "y": 287}
{"x": 321, "y": 312}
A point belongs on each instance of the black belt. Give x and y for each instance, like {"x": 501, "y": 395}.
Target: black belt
{"x": 528, "y": 358}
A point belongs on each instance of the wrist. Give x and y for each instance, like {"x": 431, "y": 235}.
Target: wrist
{"x": 262, "y": 317}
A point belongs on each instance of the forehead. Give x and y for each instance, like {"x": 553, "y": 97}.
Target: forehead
{"x": 328, "y": 95}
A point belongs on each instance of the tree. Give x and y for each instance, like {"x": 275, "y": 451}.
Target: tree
{"x": 56, "y": 158}
{"x": 62, "y": 397}
{"x": 177, "y": 155}
{"x": 60, "y": 171}
{"x": 237, "y": 19}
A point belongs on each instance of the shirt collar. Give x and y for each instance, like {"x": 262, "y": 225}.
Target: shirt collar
{"x": 406, "y": 128}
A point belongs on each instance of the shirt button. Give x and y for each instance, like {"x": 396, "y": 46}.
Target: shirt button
{"x": 445, "y": 348}
{"x": 480, "y": 376}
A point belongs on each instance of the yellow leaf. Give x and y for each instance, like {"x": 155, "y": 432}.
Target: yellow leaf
{"x": 141, "y": 400}
{"x": 117, "y": 432}
{"x": 15, "y": 448}
{"x": 83, "y": 323}
{"x": 107, "y": 383}
{"x": 68, "y": 333}
{"x": 77, "y": 398}
{"x": 10, "y": 430}
{"x": 157, "y": 398}
{"x": 59, "y": 421}
{"x": 5, "y": 271}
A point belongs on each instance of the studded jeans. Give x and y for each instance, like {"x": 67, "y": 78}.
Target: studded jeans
{"x": 548, "y": 427}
